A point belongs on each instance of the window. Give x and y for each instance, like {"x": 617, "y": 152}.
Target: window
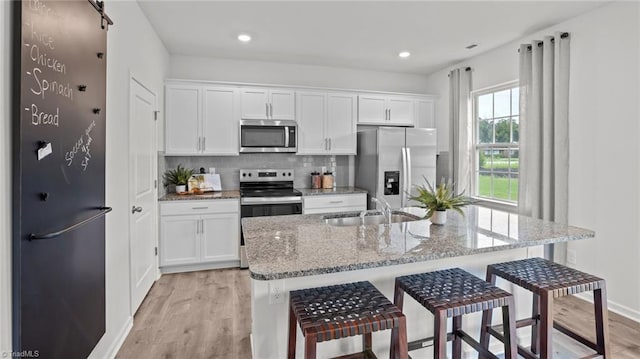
{"x": 496, "y": 126}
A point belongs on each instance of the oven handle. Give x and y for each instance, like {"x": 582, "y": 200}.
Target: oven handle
{"x": 270, "y": 200}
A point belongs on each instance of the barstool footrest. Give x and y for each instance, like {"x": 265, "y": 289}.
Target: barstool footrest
{"x": 524, "y": 352}
{"x": 575, "y": 336}
{"x": 367, "y": 354}
{"x": 425, "y": 342}
{"x": 475, "y": 345}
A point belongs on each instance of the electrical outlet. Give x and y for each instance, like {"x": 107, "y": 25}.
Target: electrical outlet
{"x": 276, "y": 292}
{"x": 571, "y": 257}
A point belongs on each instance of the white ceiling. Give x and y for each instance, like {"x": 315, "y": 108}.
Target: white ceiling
{"x": 355, "y": 34}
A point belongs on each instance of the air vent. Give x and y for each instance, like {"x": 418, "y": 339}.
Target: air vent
{"x": 471, "y": 46}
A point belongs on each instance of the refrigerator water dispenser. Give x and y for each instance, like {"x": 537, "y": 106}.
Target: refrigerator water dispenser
{"x": 391, "y": 183}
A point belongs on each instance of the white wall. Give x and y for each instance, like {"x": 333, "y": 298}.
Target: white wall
{"x": 5, "y": 179}
{"x": 132, "y": 47}
{"x": 215, "y": 69}
{"x": 604, "y": 151}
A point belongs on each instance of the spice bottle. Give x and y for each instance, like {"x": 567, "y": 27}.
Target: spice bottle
{"x": 327, "y": 180}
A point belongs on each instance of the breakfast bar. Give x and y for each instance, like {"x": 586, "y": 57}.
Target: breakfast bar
{"x": 288, "y": 253}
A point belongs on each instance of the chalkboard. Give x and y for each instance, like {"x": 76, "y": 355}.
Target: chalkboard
{"x": 59, "y": 177}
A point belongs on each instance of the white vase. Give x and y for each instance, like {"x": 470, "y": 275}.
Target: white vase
{"x": 181, "y": 188}
{"x": 439, "y": 217}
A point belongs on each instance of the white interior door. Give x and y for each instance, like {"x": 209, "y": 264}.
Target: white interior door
{"x": 142, "y": 192}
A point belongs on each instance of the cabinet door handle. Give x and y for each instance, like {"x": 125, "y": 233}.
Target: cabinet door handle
{"x": 204, "y": 144}
{"x": 335, "y": 202}
{"x": 389, "y": 114}
{"x": 198, "y": 144}
{"x": 271, "y": 110}
{"x": 330, "y": 144}
{"x": 266, "y": 109}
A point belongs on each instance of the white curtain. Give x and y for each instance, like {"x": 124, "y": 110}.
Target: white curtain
{"x": 544, "y": 132}
{"x": 460, "y": 131}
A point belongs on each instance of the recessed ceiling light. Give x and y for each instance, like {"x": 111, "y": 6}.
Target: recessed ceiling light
{"x": 404, "y": 54}
{"x": 244, "y": 37}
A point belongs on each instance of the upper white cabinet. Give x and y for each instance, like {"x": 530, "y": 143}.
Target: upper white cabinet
{"x": 385, "y": 110}
{"x": 326, "y": 123}
{"x": 268, "y": 104}
{"x": 183, "y": 118}
{"x": 201, "y": 120}
{"x": 425, "y": 113}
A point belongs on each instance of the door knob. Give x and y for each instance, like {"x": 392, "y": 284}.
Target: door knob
{"x": 135, "y": 209}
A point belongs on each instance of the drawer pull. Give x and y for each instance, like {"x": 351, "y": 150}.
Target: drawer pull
{"x": 199, "y": 207}
{"x": 336, "y": 201}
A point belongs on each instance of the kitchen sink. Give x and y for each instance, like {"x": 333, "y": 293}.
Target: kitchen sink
{"x": 354, "y": 220}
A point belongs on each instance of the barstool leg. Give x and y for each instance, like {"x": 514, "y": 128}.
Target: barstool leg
{"x": 456, "y": 346}
{"x": 398, "y": 299}
{"x": 402, "y": 346}
{"x": 366, "y": 342}
{"x": 440, "y": 335}
{"x": 602, "y": 320}
{"x": 535, "y": 327}
{"x": 546, "y": 325}
{"x": 310, "y": 341}
{"x": 509, "y": 325}
{"x": 292, "y": 334}
{"x": 486, "y": 317}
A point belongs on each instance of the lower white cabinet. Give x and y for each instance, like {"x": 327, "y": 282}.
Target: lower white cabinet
{"x": 334, "y": 203}
{"x": 197, "y": 235}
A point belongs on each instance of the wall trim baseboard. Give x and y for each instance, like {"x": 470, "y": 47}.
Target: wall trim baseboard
{"x": 199, "y": 266}
{"x": 122, "y": 335}
{"x": 614, "y": 307}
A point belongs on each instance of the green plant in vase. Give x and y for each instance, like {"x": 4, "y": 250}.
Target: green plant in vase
{"x": 439, "y": 199}
{"x": 178, "y": 177}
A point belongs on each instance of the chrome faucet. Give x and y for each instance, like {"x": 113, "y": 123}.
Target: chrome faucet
{"x": 386, "y": 208}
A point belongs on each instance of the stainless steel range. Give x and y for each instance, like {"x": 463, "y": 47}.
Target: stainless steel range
{"x": 267, "y": 192}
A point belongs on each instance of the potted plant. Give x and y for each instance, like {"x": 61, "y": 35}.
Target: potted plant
{"x": 178, "y": 177}
{"x": 437, "y": 201}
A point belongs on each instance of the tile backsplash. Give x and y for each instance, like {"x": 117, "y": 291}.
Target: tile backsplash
{"x": 229, "y": 166}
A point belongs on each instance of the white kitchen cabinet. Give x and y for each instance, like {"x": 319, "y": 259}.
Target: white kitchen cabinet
{"x": 201, "y": 120}
{"x": 183, "y": 118}
{"x": 179, "y": 242}
{"x": 220, "y": 121}
{"x": 385, "y": 110}
{"x": 425, "y": 113}
{"x": 197, "y": 235}
{"x": 353, "y": 202}
{"x": 268, "y": 104}
{"x": 326, "y": 123}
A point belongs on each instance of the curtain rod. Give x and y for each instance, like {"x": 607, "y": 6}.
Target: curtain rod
{"x": 562, "y": 36}
{"x": 466, "y": 69}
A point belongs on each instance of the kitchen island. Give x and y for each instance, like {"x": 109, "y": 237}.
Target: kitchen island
{"x": 293, "y": 252}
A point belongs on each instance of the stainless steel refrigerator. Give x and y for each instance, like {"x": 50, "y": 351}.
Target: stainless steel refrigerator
{"x": 391, "y": 161}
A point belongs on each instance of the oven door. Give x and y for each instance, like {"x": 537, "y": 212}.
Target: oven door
{"x": 255, "y": 207}
{"x": 267, "y": 136}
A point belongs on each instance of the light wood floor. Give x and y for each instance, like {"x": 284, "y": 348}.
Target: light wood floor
{"x": 208, "y": 315}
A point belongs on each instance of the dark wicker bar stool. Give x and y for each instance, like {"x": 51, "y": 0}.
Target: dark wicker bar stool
{"x": 340, "y": 311}
{"x": 451, "y": 293}
{"x": 548, "y": 280}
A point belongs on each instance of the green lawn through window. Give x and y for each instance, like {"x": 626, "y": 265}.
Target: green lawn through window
{"x": 500, "y": 187}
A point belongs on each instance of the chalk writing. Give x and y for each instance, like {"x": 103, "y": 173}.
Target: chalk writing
{"x": 43, "y": 118}
{"x": 41, "y": 58}
{"x": 46, "y": 86}
{"x": 43, "y": 38}
{"x": 83, "y": 144}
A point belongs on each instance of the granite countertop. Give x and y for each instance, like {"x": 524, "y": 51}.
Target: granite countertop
{"x": 205, "y": 196}
{"x": 302, "y": 245}
{"x": 337, "y": 190}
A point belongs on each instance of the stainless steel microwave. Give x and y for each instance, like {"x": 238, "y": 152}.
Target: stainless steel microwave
{"x": 268, "y": 136}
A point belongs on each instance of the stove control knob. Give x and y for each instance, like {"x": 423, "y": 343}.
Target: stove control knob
{"x": 289, "y": 174}
{"x": 283, "y": 174}
{"x": 244, "y": 175}
{"x": 249, "y": 174}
